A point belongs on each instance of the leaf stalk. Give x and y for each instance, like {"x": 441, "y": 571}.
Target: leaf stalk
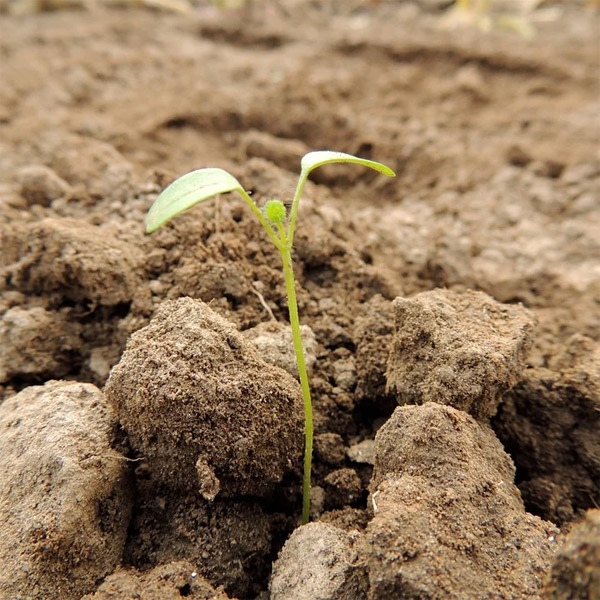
{"x": 290, "y": 287}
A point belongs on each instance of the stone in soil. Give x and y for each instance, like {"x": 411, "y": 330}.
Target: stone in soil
{"x": 275, "y": 344}
{"x": 318, "y": 561}
{"x": 64, "y": 494}
{"x": 448, "y": 521}
{"x": 461, "y": 349}
{"x": 201, "y": 406}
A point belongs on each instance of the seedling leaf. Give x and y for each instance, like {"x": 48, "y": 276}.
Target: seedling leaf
{"x": 188, "y": 190}
{"x": 312, "y": 160}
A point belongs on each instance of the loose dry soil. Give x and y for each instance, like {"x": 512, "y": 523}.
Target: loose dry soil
{"x": 452, "y": 313}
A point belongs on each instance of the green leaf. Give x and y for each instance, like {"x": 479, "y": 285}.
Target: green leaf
{"x": 188, "y": 190}
{"x": 312, "y": 160}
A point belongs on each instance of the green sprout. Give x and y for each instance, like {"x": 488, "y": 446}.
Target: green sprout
{"x": 200, "y": 185}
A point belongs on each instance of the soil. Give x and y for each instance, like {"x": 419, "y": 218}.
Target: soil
{"x": 466, "y": 290}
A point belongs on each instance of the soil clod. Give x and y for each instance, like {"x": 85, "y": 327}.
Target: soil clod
{"x": 171, "y": 581}
{"x": 64, "y": 492}
{"x": 318, "y": 561}
{"x": 461, "y": 349}
{"x": 576, "y": 568}
{"x": 191, "y": 390}
{"x": 448, "y": 520}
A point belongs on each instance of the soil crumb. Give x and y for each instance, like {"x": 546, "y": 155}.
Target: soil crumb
{"x": 230, "y": 541}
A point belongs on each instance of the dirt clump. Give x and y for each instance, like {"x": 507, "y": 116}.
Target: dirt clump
{"x": 549, "y": 423}
{"x": 461, "y": 349}
{"x": 448, "y": 521}
{"x": 444, "y": 444}
{"x": 41, "y": 185}
{"x": 93, "y": 164}
{"x": 329, "y": 449}
{"x": 67, "y": 292}
{"x": 36, "y": 343}
{"x": 234, "y": 422}
{"x": 167, "y": 582}
{"x": 318, "y": 561}
{"x": 64, "y": 492}
{"x": 71, "y": 261}
{"x": 576, "y": 569}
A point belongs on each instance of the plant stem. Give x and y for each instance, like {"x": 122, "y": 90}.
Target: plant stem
{"x": 288, "y": 270}
{"x": 295, "y": 203}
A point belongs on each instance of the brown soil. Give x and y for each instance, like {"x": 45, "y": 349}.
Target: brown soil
{"x": 194, "y": 461}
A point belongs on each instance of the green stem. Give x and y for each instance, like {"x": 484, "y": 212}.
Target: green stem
{"x": 295, "y": 203}
{"x": 286, "y": 255}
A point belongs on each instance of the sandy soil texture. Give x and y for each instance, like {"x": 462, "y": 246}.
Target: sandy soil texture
{"x": 150, "y": 420}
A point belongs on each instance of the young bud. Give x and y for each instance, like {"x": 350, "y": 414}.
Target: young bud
{"x": 275, "y": 211}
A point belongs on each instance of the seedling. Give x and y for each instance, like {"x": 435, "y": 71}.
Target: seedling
{"x": 203, "y": 184}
